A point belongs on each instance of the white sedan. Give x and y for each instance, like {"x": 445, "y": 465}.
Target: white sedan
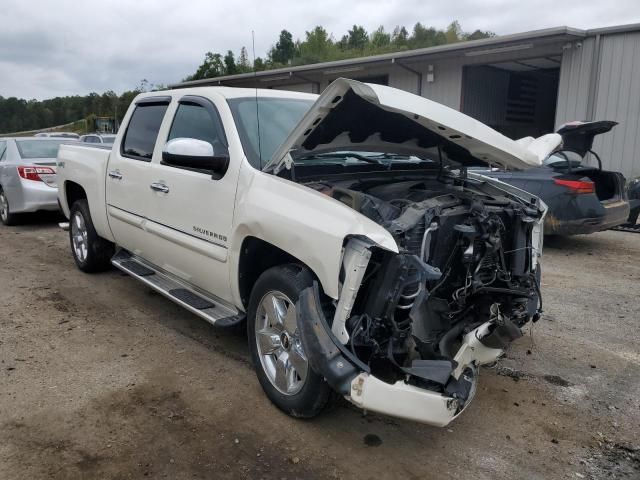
{"x": 28, "y": 176}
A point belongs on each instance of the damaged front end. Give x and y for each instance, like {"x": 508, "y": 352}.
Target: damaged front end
{"x": 409, "y": 330}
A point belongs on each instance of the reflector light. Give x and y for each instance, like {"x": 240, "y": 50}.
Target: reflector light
{"x": 576, "y": 186}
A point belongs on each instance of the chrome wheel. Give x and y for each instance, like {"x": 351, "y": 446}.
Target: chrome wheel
{"x": 4, "y": 207}
{"x": 79, "y": 237}
{"x": 278, "y": 341}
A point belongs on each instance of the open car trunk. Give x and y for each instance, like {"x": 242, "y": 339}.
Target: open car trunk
{"x": 577, "y": 138}
{"x": 609, "y": 186}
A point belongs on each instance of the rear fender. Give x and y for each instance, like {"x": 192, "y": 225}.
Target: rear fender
{"x": 86, "y": 167}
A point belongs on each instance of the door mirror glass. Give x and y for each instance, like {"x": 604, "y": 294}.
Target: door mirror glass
{"x": 194, "y": 154}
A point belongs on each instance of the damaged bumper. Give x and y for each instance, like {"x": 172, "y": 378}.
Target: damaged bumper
{"x": 403, "y": 399}
{"x": 611, "y": 215}
{"x": 407, "y": 401}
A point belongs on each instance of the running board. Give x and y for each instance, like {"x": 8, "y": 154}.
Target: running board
{"x": 212, "y": 309}
{"x": 627, "y": 227}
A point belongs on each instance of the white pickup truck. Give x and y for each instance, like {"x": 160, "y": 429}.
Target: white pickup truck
{"x": 344, "y": 229}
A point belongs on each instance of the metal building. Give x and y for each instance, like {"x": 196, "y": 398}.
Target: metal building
{"x": 523, "y": 84}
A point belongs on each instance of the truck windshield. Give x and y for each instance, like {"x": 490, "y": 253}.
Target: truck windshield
{"x": 278, "y": 117}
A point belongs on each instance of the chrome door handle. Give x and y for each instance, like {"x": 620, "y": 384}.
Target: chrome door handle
{"x": 115, "y": 174}
{"x": 159, "y": 187}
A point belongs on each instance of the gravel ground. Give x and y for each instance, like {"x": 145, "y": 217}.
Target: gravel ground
{"x": 102, "y": 378}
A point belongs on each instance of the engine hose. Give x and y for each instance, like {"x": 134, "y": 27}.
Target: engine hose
{"x": 446, "y": 342}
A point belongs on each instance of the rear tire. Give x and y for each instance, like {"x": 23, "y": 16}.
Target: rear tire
{"x": 6, "y": 216}
{"x": 91, "y": 252}
{"x": 281, "y": 366}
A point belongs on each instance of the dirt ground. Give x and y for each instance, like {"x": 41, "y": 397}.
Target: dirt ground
{"x": 102, "y": 378}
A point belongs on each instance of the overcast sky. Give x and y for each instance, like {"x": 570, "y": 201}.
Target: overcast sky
{"x": 66, "y": 47}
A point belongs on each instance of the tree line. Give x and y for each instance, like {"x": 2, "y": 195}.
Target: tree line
{"x": 319, "y": 45}
{"x": 19, "y": 115}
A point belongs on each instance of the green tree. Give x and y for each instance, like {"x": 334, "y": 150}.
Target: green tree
{"x": 243, "y": 61}
{"x": 454, "y": 32}
{"x": 343, "y": 43}
{"x": 380, "y": 39}
{"x": 230, "y": 63}
{"x": 357, "y": 38}
{"x": 259, "y": 64}
{"x": 212, "y": 66}
{"x": 400, "y": 37}
{"x": 284, "y": 49}
{"x": 316, "y": 46}
{"x": 423, "y": 37}
{"x": 479, "y": 34}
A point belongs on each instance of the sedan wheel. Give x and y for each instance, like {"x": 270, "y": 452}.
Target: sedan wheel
{"x": 6, "y": 216}
{"x": 278, "y": 343}
{"x": 4, "y": 207}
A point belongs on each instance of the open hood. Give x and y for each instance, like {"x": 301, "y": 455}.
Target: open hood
{"x": 350, "y": 115}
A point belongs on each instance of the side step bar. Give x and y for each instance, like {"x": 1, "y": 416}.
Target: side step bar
{"x": 628, "y": 228}
{"x": 213, "y": 310}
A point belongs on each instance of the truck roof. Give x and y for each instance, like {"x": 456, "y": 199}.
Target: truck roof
{"x": 231, "y": 92}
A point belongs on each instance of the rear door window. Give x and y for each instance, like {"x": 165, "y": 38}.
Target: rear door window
{"x": 142, "y": 131}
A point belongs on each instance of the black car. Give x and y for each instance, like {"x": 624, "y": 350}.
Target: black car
{"x": 634, "y": 201}
{"x": 581, "y": 198}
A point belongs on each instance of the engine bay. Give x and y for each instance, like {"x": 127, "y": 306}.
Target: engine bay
{"x": 465, "y": 259}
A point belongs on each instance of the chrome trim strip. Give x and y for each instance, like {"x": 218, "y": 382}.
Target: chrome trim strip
{"x": 162, "y": 225}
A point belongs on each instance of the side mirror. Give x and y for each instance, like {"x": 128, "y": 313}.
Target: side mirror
{"x": 194, "y": 154}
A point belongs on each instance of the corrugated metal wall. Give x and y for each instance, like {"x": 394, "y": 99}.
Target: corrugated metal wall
{"x": 573, "y": 90}
{"x": 616, "y": 96}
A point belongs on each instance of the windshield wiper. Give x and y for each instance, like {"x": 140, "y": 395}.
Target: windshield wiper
{"x": 345, "y": 156}
{"x": 399, "y": 156}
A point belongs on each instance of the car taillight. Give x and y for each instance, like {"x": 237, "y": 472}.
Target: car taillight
{"x": 576, "y": 186}
{"x": 33, "y": 173}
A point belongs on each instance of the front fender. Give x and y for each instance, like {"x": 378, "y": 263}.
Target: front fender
{"x": 308, "y": 225}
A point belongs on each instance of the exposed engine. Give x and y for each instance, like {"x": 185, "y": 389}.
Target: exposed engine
{"x": 465, "y": 259}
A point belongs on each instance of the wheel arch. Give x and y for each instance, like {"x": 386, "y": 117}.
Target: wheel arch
{"x": 256, "y": 257}
{"x": 73, "y": 192}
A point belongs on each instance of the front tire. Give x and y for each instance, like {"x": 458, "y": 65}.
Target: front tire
{"x": 6, "y": 216}
{"x": 91, "y": 252}
{"x": 276, "y": 350}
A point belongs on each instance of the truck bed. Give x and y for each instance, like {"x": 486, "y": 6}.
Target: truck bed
{"x": 84, "y": 167}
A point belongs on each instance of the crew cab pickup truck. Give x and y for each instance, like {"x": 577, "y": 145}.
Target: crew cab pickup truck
{"x": 344, "y": 229}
